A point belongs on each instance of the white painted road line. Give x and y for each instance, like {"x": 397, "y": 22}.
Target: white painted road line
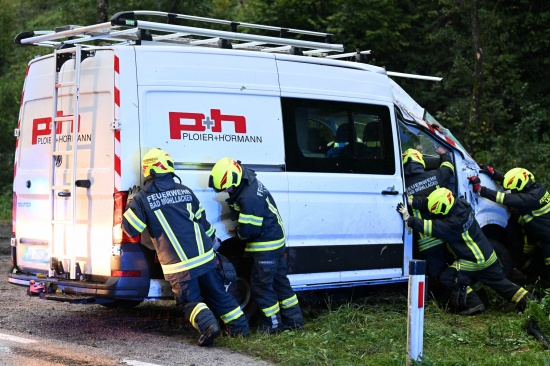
{"x": 139, "y": 363}
{"x": 8, "y": 337}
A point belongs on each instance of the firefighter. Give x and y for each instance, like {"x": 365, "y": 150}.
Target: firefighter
{"x": 454, "y": 222}
{"x": 420, "y": 182}
{"x": 260, "y": 226}
{"x": 183, "y": 239}
{"x": 530, "y": 200}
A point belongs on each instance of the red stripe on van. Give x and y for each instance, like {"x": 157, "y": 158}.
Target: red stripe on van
{"x": 116, "y": 92}
{"x": 117, "y": 65}
{"x": 117, "y": 165}
{"x": 117, "y": 96}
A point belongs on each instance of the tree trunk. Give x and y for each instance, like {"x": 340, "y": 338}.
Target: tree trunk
{"x": 102, "y": 6}
{"x": 478, "y": 66}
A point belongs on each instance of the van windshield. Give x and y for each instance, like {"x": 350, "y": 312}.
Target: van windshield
{"x": 414, "y": 137}
{"x": 432, "y": 121}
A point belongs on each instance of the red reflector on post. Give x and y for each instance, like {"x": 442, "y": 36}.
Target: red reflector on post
{"x": 420, "y": 295}
{"x": 116, "y": 273}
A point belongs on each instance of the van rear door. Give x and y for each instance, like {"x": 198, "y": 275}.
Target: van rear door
{"x": 92, "y": 240}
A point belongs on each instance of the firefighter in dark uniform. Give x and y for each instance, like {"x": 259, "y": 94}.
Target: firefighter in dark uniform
{"x": 261, "y": 227}
{"x": 183, "y": 238}
{"x": 419, "y": 182}
{"x": 454, "y": 222}
{"x": 530, "y": 200}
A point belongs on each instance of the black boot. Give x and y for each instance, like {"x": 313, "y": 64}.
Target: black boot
{"x": 207, "y": 337}
{"x": 474, "y": 305}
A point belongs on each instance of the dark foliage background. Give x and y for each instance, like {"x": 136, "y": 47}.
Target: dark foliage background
{"x": 493, "y": 56}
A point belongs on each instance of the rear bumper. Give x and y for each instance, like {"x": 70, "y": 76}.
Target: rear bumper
{"x": 114, "y": 287}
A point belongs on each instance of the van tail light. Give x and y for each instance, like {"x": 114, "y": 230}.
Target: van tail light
{"x": 119, "y": 236}
{"x": 13, "y": 212}
{"x": 119, "y": 273}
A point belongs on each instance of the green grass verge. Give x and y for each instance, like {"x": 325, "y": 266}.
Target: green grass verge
{"x": 372, "y": 330}
{"x": 6, "y": 200}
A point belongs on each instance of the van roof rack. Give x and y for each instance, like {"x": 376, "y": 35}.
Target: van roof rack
{"x": 125, "y": 29}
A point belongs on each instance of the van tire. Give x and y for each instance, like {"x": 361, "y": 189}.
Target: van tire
{"x": 122, "y": 304}
{"x": 504, "y": 257}
{"x": 240, "y": 290}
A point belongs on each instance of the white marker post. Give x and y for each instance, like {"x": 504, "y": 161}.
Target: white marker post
{"x": 415, "y": 325}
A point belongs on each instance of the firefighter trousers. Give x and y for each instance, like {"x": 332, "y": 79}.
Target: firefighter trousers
{"x": 189, "y": 295}
{"x": 272, "y": 292}
{"x": 494, "y": 278}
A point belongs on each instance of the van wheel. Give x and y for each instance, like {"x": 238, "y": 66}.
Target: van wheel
{"x": 504, "y": 257}
{"x": 122, "y": 304}
{"x": 240, "y": 290}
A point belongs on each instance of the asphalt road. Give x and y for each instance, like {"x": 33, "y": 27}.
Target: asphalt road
{"x": 35, "y": 332}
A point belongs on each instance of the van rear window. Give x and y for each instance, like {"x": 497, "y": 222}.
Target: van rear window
{"x": 324, "y": 136}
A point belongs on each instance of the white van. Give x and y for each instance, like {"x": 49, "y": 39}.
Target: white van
{"x": 202, "y": 94}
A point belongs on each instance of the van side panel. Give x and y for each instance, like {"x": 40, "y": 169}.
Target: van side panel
{"x": 200, "y": 107}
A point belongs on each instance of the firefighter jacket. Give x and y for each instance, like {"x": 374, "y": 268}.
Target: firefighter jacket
{"x": 421, "y": 182}
{"x": 461, "y": 231}
{"x": 533, "y": 206}
{"x": 177, "y": 224}
{"x": 260, "y": 224}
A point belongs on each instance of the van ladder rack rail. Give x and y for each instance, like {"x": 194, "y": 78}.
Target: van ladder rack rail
{"x": 124, "y": 28}
{"x": 59, "y": 187}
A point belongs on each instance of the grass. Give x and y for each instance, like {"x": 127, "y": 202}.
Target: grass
{"x": 6, "y": 200}
{"x": 372, "y": 330}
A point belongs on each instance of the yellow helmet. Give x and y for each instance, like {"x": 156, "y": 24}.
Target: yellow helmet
{"x": 158, "y": 161}
{"x": 517, "y": 178}
{"x": 440, "y": 201}
{"x": 414, "y": 156}
{"x": 225, "y": 173}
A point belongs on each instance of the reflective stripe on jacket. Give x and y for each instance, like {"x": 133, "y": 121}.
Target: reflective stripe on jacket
{"x": 260, "y": 223}
{"x": 177, "y": 224}
{"x": 533, "y": 206}
{"x": 461, "y": 231}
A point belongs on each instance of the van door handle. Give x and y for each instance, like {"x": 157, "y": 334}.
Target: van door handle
{"x": 64, "y": 194}
{"x": 391, "y": 191}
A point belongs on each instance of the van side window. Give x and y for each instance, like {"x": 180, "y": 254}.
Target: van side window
{"x": 338, "y": 137}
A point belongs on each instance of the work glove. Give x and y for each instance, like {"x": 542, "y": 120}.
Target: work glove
{"x": 476, "y": 183}
{"x": 404, "y": 213}
{"x": 491, "y": 172}
{"x": 216, "y": 243}
{"x": 131, "y": 194}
